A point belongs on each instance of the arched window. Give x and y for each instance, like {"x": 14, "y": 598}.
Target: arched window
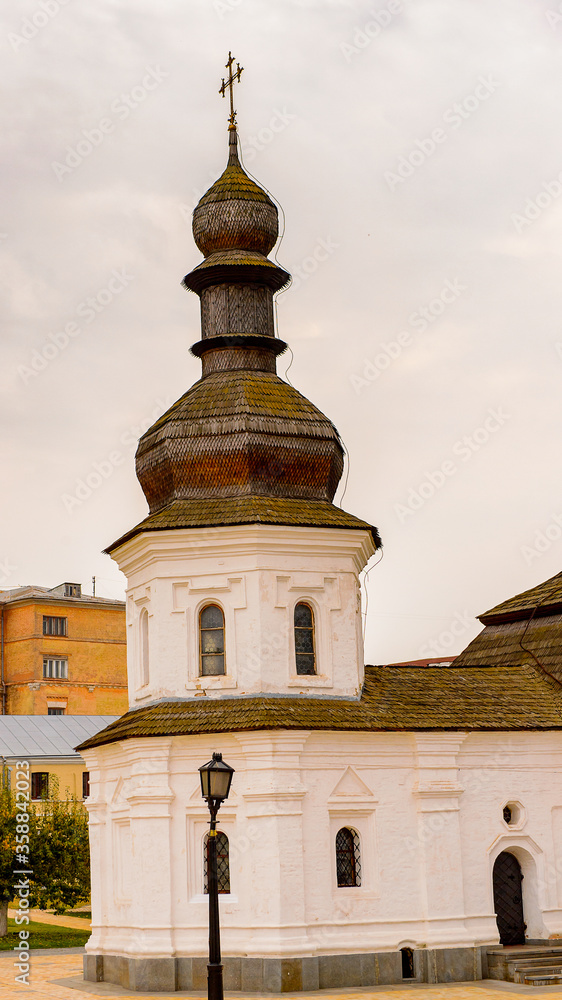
{"x": 211, "y": 640}
{"x": 223, "y": 864}
{"x": 348, "y": 857}
{"x": 304, "y": 639}
{"x": 144, "y": 646}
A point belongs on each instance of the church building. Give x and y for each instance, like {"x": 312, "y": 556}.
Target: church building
{"x": 373, "y": 808}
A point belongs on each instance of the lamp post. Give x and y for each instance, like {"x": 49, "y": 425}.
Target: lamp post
{"x": 216, "y": 778}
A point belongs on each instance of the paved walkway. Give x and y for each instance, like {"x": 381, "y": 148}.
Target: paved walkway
{"x": 59, "y": 977}
{"x": 62, "y": 920}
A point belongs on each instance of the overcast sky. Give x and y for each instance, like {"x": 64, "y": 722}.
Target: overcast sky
{"x": 416, "y": 151}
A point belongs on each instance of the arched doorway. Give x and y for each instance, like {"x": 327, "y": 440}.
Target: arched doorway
{"x": 508, "y": 899}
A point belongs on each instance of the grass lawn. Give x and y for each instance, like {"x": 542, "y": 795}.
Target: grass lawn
{"x": 44, "y": 936}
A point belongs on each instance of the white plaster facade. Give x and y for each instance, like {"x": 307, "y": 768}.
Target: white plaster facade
{"x": 428, "y": 809}
{"x": 256, "y": 573}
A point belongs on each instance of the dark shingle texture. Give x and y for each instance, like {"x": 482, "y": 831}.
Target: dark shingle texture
{"x": 512, "y": 644}
{"x": 544, "y": 599}
{"x": 393, "y": 699}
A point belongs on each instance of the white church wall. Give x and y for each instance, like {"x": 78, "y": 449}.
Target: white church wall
{"x": 256, "y": 574}
{"x": 427, "y": 809}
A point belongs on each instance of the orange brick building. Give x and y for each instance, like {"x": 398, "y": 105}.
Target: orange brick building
{"x": 61, "y": 653}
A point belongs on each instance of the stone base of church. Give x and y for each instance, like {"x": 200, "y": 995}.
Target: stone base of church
{"x": 287, "y": 975}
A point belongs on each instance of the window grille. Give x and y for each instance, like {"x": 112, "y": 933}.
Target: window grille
{"x": 55, "y": 711}
{"x": 304, "y": 639}
{"x": 54, "y": 626}
{"x": 40, "y": 785}
{"x": 55, "y": 669}
{"x": 223, "y": 863}
{"x": 348, "y": 857}
{"x": 211, "y": 640}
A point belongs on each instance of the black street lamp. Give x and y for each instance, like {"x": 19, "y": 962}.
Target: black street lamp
{"x": 216, "y": 778}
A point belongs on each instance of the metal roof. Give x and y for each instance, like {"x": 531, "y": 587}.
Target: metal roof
{"x": 46, "y": 596}
{"x": 28, "y": 736}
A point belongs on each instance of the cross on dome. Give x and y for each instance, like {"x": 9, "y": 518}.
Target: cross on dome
{"x": 229, "y": 85}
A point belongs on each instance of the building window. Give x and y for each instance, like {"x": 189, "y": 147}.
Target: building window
{"x": 55, "y": 669}
{"x": 304, "y": 639}
{"x": 144, "y": 646}
{"x": 54, "y": 626}
{"x": 211, "y": 640}
{"x": 223, "y": 863}
{"x": 72, "y": 589}
{"x": 40, "y": 785}
{"x": 348, "y": 857}
{"x": 85, "y": 784}
{"x": 55, "y": 711}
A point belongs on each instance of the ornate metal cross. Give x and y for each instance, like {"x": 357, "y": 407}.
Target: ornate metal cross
{"x": 228, "y": 84}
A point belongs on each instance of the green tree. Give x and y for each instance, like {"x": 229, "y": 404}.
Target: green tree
{"x": 59, "y": 851}
{"x": 59, "y": 854}
{"x": 7, "y": 847}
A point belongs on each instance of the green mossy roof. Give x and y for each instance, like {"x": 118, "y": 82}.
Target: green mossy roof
{"x": 542, "y": 599}
{"x": 394, "y": 699}
{"x": 235, "y": 183}
{"x": 248, "y": 509}
{"x": 230, "y": 394}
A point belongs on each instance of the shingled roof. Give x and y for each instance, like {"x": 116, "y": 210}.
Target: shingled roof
{"x": 394, "y": 699}
{"x": 216, "y": 512}
{"x": 525, "y": 630}
{"x": 544, "y": 599}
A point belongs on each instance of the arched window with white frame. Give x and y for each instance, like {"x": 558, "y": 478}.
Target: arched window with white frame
{"x": 305, "y": 653}
{"x": 211, "y": 641}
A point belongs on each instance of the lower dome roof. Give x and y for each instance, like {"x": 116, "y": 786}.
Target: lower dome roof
{"x": 248, "y": 510}
{"x": 240, "y": 433}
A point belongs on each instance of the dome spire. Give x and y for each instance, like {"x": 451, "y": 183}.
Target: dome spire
{"x": 229, "y": 85}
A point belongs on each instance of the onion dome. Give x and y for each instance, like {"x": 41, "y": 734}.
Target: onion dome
{"x": 235, "y": 226}
{"x": 240, "y": 433}
{"x": 235, "y": 213}
{"x": 241, "y": 446}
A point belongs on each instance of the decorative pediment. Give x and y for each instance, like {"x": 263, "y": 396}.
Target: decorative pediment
{"x": 351, "y": 792}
